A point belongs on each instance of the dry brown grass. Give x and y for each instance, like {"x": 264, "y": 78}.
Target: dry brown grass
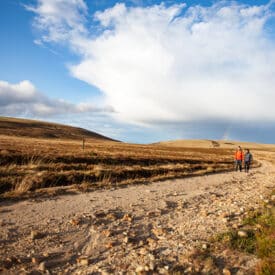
{"x": 217, "y": 144}
{"x": 29, "y": 164}
{"x": 40, "y": 129}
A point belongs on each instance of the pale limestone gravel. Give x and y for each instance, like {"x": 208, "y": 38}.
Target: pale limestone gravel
{"x": 162, "y": 221}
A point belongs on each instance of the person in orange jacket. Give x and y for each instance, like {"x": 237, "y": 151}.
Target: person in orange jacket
{"x": 239, "y": 157}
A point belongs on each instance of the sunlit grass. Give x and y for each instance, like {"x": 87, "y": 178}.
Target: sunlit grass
{"x": 30, "y": 164}
{"x": 260, "y": 238}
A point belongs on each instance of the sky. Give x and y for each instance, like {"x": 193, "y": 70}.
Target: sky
{"x": 142, "y": 71}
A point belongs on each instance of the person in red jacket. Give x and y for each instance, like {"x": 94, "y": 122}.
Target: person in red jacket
{"x": 239, "y": 157}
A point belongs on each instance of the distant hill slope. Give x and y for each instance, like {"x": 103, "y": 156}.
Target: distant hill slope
{"x": 40, "y": 129}
{"x": 214, "y": 144}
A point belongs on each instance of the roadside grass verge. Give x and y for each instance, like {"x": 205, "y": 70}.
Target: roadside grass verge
{"x": 256, "y": 236}
{"x": 248, "y": 249}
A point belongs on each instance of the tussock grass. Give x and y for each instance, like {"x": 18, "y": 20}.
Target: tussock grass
{"x": 231, "y": 239}
{"x": 260, "y": 238}
{"x": 30, "y": 164}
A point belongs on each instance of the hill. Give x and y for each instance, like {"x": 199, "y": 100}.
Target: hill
{"x": 128, "y": 230}
{"x": 206, "y": 143}
{"x": 38, "y": 129}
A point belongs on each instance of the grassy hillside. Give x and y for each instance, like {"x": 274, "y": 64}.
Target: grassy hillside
{"x": 215, "y": 144}
{"x": 36, "y": 156}
{"x": 39, "y": 129}
{"x": 30, "y": 164}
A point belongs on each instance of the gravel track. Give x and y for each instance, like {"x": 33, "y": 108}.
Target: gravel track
{"x": 140, "y": 227}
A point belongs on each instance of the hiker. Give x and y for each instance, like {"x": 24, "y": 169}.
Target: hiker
{"x": 247, "y": 160}
{"x": 239, "y": 157}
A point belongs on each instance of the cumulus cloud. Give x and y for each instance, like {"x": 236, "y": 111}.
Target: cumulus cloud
{"x": 174, "y": 63}
{"x": 24, "y": 99}
{"x": 60, "y": 21}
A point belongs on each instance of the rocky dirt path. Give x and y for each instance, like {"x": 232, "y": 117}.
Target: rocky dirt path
{"x": 138, "y": 228}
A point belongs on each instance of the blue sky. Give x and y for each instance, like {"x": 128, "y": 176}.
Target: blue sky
{"x": 142, "y": 71}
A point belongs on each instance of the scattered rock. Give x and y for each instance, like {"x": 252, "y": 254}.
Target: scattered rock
{"x": 152, "y": 214}
{"x": 166, "y": 252}
{"x": 127, "y": 217}
{"x": 158, "y": 232}
{"x": 106, "y": 233}
{"x": 35, "y": 260}
{"x": 77, "y": 245}
{"x": 259, "y": 226}
{"x": 242, "y": 234}
{"x": 146, "y": 268}
{"x": 235, "y": 225}
{"x": 205, "y": 246}
{"x": 204, "y": 212}
{"x": 42, "y": 266}
{"x": 110, "y": 245}
{"x": 225, "y": 215}
{"x": 225, "y": 220}
{"x": 208, "y": 265}
{"x": 226, "y": 271}
{"x": 111, "y": 216}
{"x": 242, "y": 210}
{"x": 143, "y": 251}
{"x": 140, "y": 268}
{"x": 152, "y": 237}
{"x": 185, "y": 204}
{"x": 83, "y": 260}
{"x": 151, "y": 256}
{"x": 75, "y": 222}
{"x": 35, "y": 235}
{"x": 171, "y": 204}
{"x": 152, "y": 265}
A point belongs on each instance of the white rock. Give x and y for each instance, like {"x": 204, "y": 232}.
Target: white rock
{"x": 139, "y": 268}
{"x": 242, "y": 234}
{"x": 225, "y": 220}
{"x": 34, "y": 235}
{"x": 42, "y": 266}
{"x": 151, "y": 265}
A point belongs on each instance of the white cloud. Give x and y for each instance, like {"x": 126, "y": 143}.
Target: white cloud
{"x": 24, "y": 99}
{"x": 173, "y": 63}
{"x": 61, "y": 19}
{"x": 22, "y": 92}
